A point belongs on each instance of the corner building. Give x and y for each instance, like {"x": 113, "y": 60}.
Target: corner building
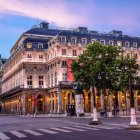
{"x": 37, "y": 76}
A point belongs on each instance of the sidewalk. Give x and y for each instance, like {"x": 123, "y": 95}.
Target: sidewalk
{"x": 86, "y": 116}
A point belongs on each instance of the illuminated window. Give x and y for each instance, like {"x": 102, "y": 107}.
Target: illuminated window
{"x": 29, "y": 45}
{"x": 119, "y": 43}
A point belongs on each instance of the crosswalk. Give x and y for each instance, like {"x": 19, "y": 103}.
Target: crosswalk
{"x": 54, "y": 130}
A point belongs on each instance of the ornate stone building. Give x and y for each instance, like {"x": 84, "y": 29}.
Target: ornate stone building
{"x": 37, "y": 76}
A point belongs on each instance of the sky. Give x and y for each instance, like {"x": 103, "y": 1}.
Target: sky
{"x": 18, "y": 16}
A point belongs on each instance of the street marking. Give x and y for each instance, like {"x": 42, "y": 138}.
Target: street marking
{"x": 102, "y": 127}
{"x": 4, "y": 137}
{"x": 77, "y": 129}
{"x": 60, "y": 129}
{"x": 18, "y": 134}
{"x": 118, "y": 124}
{"x": 89, "y": 128}
{"x": 33, "y": 132}
{"x": 48, "y": 131}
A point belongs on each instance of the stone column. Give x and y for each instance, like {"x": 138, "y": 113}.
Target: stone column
{"x": 92, "y": 103}
{"x": 23, "y": 103}
{"x": 110, "y": 101}
{"x": 54, "y": 102}
{"x": 59, "y": 94}
{"x": 102, "y": 100}
{"x": 51, "y": 103}
{"x": 136, "y": 100}
{"x": 70, "y": 98}
{"x": 127, "y": 103}
{"x": 119, "y": 101}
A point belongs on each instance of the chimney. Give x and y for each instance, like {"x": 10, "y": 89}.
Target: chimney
{"x": 44, "y": 25}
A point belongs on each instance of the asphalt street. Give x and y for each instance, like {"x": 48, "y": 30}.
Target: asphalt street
{"x": 29, "y": 128}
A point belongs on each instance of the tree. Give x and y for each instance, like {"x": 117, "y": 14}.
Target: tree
{"x": 130, "y": 80}
{"x": 97, "y": 61}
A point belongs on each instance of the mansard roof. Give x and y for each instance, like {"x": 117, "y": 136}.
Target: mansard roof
{"x": 113, "y": 35}
{"x": 43, "y": 31}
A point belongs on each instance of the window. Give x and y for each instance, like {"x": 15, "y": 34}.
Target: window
{"x": 29, "y": 56}
{"x": 64, "y": 76}
{"x": 84, "y": 41}
{"x": 63, "y": 39}
{"x": 102, "y": 42}
{"x": 63, "y": 51}
{"x": 111, "y": 43}
{"x": 127, "y": 44}
{"x": 73, "y": 40}
{"x": 40, "y": 56}
{"x": 40, "y": 46}
{"x": 134, "y": 44}
{"x": 64, "y": 63}
{"x": 135, "y": 55}
{"x": 74, "y": 53}
{"x": 128, "y": 55}
{"x": 29, "y": 80}
{"x": 41, "y": 80}
{"x": 119, "y": 43}
{"x": 93, "y": 41}
{"x": 29, "y": 45}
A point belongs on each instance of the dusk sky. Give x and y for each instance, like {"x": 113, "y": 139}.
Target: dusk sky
{"x": 18, "y": 16}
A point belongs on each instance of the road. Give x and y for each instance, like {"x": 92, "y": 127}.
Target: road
{"x": 27, "y": 128}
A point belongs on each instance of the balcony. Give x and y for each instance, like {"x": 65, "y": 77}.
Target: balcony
{"x": 65, "y": 84}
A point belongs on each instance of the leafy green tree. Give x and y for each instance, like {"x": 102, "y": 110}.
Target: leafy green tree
{"x": 92, "y": 67}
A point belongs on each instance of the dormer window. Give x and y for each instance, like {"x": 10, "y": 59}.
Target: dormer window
{"x": 40, "y": 46}
{"x": 127, "y": 44}
{"x": 102, "y": 42}
{"x": 73, "y": 40}
{"x": 29, "y": 45}
{"x": 84, "y": 41}
{"x": 111, "y": 43}
{"x": 93, "y": 41}
{"x": 63, "y": 39}
{"x": 134, "y": 44}
{"x": 119, "y": 43}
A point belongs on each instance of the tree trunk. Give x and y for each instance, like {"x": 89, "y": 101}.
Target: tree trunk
{"x": 95, "y": 118}
{"x": 133, "y": 113}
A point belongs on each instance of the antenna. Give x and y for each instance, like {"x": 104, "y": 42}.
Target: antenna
{"x": 37, "y": 21}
